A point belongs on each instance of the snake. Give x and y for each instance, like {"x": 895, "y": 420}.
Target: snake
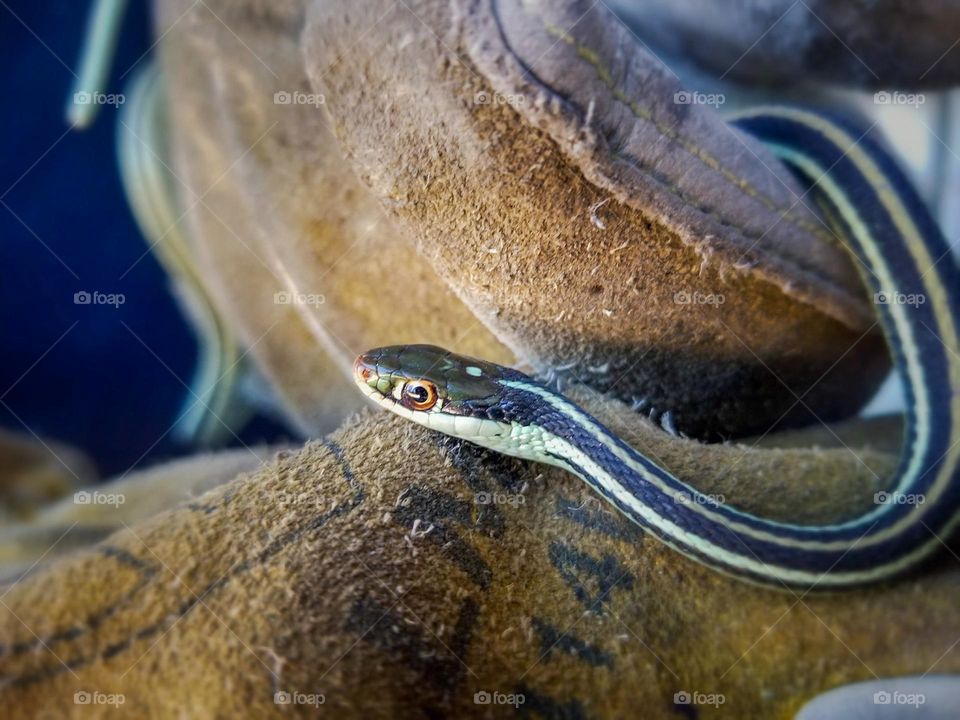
{"x": 904, "y": 261}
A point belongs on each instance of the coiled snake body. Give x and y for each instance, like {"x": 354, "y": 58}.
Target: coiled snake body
{"x": 901, "y": 253}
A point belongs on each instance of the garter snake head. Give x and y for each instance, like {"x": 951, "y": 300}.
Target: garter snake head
{"x": 454, "y": 394}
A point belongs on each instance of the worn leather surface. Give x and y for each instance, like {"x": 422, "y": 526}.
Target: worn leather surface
{"x": 397, "y": 573}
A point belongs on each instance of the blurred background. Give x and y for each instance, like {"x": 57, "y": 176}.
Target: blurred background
{"x": 109, "y": 379}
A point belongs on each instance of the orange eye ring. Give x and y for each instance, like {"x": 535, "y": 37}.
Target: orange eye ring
{"x": 419, "y": 395}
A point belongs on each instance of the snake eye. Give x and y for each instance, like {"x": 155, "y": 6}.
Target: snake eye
{"x": 420, "y": 395}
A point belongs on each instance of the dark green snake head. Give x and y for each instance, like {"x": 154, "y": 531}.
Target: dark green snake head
{"x": 425, "y": 378}
{"x": 454, "y": 394}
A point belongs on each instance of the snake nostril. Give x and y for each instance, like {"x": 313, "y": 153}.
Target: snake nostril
{"x": 363, "y": 370}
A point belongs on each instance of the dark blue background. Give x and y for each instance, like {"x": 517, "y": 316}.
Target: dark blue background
{"x": 98, "y": 387}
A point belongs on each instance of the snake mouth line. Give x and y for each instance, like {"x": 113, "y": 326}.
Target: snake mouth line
{"x": 362, "y": 381}
{"x": 374, "y": 394}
